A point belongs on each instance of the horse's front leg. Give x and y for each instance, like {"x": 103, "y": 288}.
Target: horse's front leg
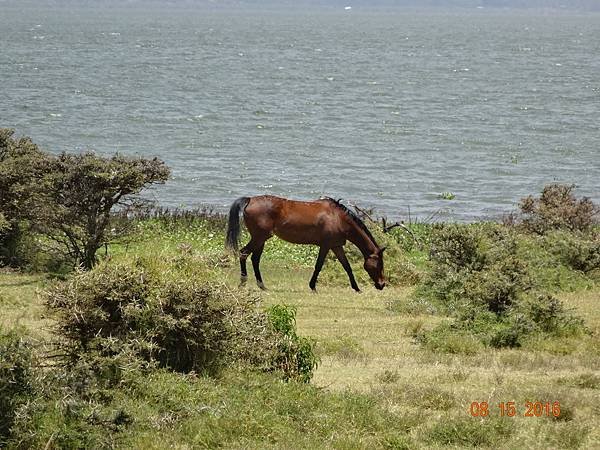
{"x": 341, "y": 256}
{"x": 318, "y": 266}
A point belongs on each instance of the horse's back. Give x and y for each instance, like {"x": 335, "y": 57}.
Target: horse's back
{"x": 292, "y": 220}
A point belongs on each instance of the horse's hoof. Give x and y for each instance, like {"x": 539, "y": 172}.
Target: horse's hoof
{"x": 262, "y": 286}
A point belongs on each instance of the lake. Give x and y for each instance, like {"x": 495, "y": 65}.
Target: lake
{"x": 387, "y": 109}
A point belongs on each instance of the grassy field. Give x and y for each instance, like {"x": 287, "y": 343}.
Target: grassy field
{"x": 375, "y": 387}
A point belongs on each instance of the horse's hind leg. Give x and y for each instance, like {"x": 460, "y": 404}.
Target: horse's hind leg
{"x": 244, "y": 253}
{"x": 256, "y": 254}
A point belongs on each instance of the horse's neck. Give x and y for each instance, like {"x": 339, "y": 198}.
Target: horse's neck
{"x": 358, "y": 237}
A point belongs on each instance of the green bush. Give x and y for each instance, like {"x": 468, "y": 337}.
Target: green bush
{"x": 480, "y": 277}
{"x": 177, "y": 323}
{"x": 16, "y": 378}
{"x": 578, "y": 251}
{"x": 295, "y": 356}
{"x": 477, "y": 264}
{"x": 172, "y": 315}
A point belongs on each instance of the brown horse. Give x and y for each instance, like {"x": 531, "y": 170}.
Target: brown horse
{"x": 325, "y": 222}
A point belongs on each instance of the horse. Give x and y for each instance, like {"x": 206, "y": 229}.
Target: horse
{"x": 325, "y": 222}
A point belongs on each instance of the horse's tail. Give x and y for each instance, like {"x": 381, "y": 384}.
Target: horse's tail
{"x": 233, "y": 225}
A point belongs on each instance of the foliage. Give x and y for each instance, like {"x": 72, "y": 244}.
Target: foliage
{"x": 22, "y": 192}
{"x": 578, "y": 251}
{"x": 558, "y": 208}
{"x": 380, "y": 391}
{"x": 476, "y": 264}
{"x": 176, "y": 323}
{"x": 295, "y": 356}
{"x": 174, "y": 315}
{"x": 4, "y": 224}
{"x": 162, "y": 409}
{"x": 468, "y": 432}
{"x": 84, "y": 189}
{"x": 480, "y": 278}
{"x": 67, "y": 198}
{"x": 16, "y": 378}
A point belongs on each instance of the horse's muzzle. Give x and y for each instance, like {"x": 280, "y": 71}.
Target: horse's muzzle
{"x": 380, "y": 286}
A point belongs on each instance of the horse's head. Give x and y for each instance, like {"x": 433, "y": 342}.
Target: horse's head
{"x": 374, "y": 267}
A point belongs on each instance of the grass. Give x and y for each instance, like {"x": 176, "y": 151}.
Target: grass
{"x": 21, "y": 302}
{"x": 374, "y": 388}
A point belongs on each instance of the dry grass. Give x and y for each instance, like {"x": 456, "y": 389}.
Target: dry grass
{"x": 366, "y": 348}
{"x": 21, "y": 304}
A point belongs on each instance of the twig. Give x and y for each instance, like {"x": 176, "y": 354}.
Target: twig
{"x": 404, "y": 227}
{"x": 364, "y": 213}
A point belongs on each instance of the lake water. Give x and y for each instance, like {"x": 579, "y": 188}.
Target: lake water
{"x": 388, "y": 109}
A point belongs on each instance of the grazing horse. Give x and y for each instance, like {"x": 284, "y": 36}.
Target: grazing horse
{"x": 324, "y": 222}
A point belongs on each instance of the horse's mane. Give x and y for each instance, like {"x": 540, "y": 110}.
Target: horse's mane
{"x": 357, "y": 220}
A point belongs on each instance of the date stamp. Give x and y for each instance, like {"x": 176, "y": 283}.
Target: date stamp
{"x": 511, "y": 409}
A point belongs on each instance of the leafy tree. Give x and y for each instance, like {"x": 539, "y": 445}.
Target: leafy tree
{"x": 84, "y": 188}
{"x": 22, "y": 169}
{"x": 69, "y": 197}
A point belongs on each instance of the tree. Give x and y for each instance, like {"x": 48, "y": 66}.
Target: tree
{"x": 83, "y": 189}
{"x": 22, "y": 169}
{"x": 69, "y": 197}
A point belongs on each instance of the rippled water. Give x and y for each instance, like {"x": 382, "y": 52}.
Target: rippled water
{"x": 387, "y": 109}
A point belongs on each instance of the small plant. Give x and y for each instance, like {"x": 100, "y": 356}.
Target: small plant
{"x": 295, "y": 357}
{"x": 388, "y": 376}
{"x": 343, "y": 347}
{"x": 447, "y": 196}
{"x": 466, "y": 432}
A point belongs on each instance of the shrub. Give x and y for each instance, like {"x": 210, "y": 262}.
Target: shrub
{"x": 295, "y": 355}
{"x": 16, "y": 378}
{"x": 477, "y": 264}
{"x": 576, "y": 250}
{"x": 480, "y": 278}
{"x": 548, "y": 315}
{"x": 173, "y": 316}
{"x": 558, "y": 208}
{"x": 176, "y": 323}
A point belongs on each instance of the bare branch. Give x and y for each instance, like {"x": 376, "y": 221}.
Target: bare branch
{"x": 404, "y": 227}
